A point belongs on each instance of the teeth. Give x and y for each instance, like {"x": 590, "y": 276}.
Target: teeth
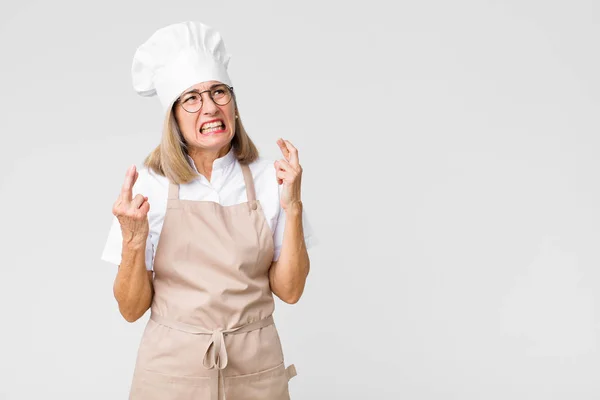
{"x": 212, "y": 125}
{"x": 207, "y": 131}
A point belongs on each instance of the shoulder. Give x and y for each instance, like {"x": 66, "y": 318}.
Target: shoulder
{"x": 150, "y": 184}
{"x": 265, "y": 178}
{"x": 262, "y": 166}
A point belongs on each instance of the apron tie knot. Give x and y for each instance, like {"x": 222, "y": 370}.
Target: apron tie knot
{"x": 215, "y": 355}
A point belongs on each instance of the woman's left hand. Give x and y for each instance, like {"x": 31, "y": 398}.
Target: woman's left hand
{"x": 289, "y": 173}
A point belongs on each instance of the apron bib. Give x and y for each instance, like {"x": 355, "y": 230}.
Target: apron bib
{"x": 211, "y": 334}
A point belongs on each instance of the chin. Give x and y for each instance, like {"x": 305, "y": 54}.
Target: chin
{"x": 216, "y": 141}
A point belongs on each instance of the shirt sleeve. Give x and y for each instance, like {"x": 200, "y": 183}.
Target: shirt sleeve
{"x": 310, "y": 238}
{"x": 113, "y": 246}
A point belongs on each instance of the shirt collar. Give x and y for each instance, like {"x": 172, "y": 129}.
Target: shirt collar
{"x": 219, "y": 163}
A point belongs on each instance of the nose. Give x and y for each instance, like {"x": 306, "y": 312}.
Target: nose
{"x": 208, "y": 105}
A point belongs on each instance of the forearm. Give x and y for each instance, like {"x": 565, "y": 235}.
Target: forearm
{"x": 288, "y": 274}
{"x": 133, "y": 288}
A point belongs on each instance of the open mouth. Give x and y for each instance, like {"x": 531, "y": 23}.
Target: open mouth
{"x": 215, "y": 126}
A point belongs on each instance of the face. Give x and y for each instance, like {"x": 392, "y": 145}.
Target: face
{"x": 197, "y": 128}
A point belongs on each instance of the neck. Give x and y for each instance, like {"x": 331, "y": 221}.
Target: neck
{"x": 204, "y": 159}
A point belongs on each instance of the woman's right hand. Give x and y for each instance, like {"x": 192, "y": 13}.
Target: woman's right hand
{"x": 132, "y": 213}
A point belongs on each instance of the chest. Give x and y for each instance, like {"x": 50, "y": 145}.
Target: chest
{"x": 226, "y": 192}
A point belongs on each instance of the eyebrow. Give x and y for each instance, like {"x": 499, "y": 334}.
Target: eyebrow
{"x": 214, "y": 85}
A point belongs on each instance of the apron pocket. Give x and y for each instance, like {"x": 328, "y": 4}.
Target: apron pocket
{"x": 150, "y": 385}
{"x": 270, "y": 384}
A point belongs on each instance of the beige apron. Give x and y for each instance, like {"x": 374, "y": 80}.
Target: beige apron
{"x": 211, "y": 334}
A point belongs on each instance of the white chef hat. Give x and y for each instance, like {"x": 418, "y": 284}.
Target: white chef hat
{"x": 176, "y": 57}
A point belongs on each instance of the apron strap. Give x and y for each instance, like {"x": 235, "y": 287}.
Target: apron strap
{"x": 250, "y": 192}
{"x": 215, "y": 354}
{"x": 290, "y": 371}
{"x": 173, "y": 191}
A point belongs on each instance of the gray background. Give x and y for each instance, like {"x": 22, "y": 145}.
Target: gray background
{"x": 450, "y": 172}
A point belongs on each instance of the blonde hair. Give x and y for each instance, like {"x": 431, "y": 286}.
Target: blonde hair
{"x": 169, "y": 158}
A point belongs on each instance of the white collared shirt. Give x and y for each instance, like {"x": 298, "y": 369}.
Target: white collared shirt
{"x": 226, "y": 187}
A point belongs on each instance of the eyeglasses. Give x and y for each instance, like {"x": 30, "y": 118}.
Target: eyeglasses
{"x": 192, "y": 101}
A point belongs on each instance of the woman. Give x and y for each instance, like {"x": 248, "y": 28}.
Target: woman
{"x": 226, "y": 230}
